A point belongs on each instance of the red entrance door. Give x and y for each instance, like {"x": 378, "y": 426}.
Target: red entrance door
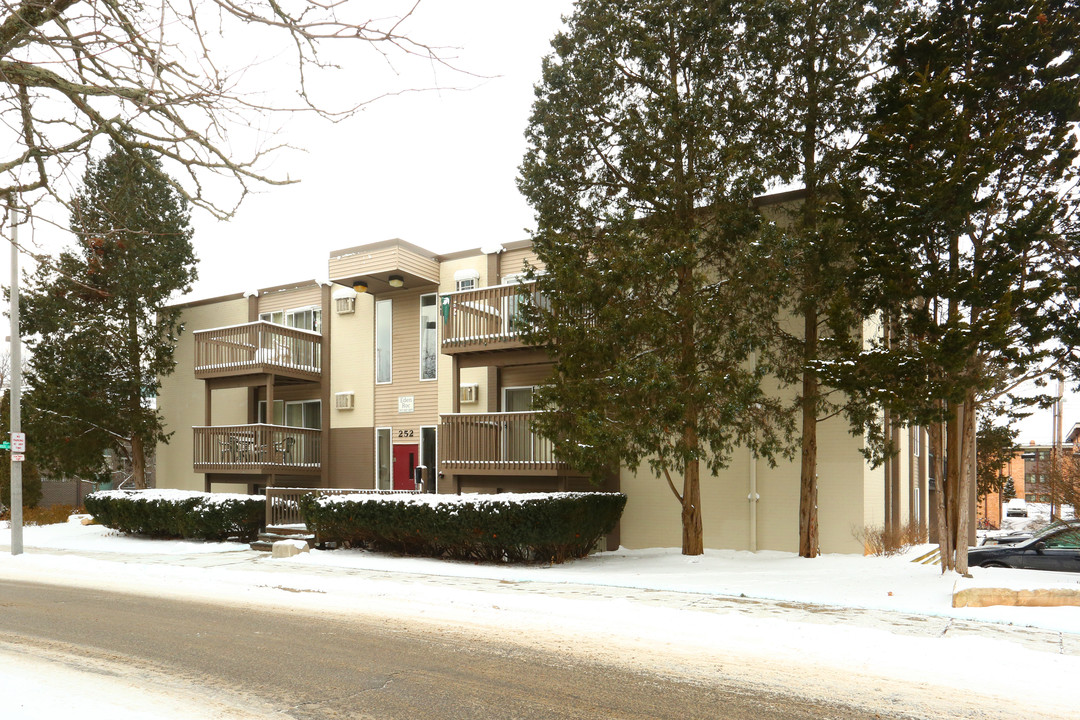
{"x": 406, "y": 458}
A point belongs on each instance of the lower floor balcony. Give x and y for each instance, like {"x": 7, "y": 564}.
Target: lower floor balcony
{"x": 257, "y": 449}
{"x": 496, "y": 443}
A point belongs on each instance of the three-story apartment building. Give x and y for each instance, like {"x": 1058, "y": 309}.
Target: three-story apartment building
{"x": 407, "y": 359}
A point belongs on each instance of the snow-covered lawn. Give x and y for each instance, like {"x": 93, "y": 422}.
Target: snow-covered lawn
{"x": 601, "y": 603}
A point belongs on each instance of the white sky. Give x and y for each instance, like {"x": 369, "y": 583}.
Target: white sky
{"x": 435, "y": 168}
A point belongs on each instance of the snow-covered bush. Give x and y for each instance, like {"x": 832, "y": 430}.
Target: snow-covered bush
{"x": 532, "y": 527}
{"x": 179, "y": 513}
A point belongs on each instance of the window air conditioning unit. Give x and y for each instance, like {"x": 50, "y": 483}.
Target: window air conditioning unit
{"x": 469, "y": 393}
{"x": 344, "y": 401}
{"x": 345, "y": 305}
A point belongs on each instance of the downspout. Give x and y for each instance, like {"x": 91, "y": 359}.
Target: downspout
{"x": 753, "y": 497}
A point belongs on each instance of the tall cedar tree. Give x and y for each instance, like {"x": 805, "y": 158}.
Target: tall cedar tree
{"x": 642, "y": 165}
{"x": 101, "y": 334}
{"x": 968, "y": 222}
{"x": 815, "y": 58}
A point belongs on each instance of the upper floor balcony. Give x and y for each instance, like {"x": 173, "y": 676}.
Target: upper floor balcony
{"x": 485, "y": 319}
{"x": 258, "y": 348}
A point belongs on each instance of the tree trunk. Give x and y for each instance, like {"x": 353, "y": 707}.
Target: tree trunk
{"x": 940, "y": 517}
{"x": 963, "y": 497}
{"x": 808, "y": 522}
{"x": 138, "y": 462}
{"x": 953, "y": 459}
{"x": 693, "y": 541}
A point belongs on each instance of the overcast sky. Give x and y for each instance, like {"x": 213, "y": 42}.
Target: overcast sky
{"x": 436, "y": 168}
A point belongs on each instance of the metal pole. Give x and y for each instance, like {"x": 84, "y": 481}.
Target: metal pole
{"x": 16, "y": 389}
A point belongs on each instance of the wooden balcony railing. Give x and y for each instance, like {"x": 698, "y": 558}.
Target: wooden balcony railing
{"x": 257, "y": 449}
{"x": 489, "y": 318}
{"x": 283, "y": 504}
{"x": 258, "y": 347}
{"x": 487, "y": 443}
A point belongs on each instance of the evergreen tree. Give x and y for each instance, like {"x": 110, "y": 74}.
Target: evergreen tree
{"x": 101, "y": 334}
{"x": 1008, "y": 489}
{"x": 31, "y": 477}
{"x": 814, "y": 58}
{"x": 968, "y": 222}
{"x": 642, "y": 165}
{"x": 996, "y": 445}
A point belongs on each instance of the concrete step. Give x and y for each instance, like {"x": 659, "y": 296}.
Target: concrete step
{"x": 266, "y": 540}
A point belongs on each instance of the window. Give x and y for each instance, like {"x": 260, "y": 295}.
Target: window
{"x": 429, "y": 337}
{"x": 299, "y": 413}
{"x": 382, "y": 459}
{"x": 428, "y": 457}
{"x": 916, "y": 441}
{"x": 308, "y": 318}
{"x": 384, "y": 341}
{"x": 466, "y": 279}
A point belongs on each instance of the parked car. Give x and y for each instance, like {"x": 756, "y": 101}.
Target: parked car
{"x": 1016, "y": 507}
{"x": 1055, "y": 547}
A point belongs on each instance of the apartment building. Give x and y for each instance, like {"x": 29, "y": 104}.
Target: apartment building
{"x": 407, "y": 359}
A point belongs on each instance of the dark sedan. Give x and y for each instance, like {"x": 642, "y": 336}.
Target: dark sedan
{"x": 1056, "y": 547}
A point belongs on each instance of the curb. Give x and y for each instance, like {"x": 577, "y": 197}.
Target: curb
{"x": 1043, "y": 597}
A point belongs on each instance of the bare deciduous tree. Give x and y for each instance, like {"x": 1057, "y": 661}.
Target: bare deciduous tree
{"x": 172, "y": 77}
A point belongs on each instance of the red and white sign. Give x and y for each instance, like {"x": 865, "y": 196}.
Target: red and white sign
{"x": 18, "y": 457}
{"x": 18, "y": 442}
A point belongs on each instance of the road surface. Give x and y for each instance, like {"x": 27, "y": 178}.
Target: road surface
{"x": 294, "y": 664}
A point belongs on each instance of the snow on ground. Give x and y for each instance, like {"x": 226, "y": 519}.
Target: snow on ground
{"x": 51, "y": 685}
{"x": 624, "y": 605}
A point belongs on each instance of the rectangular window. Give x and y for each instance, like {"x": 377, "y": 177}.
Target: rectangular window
{"x": 429, "y": 337}
{"x": 466, "y": 284}
{"x": 916, "y": 441}
{"x": 309, "y": 318}
{"x": 384, "y": 341}
{"x": 300, "y": 413}
{"x": 382, "y": 458}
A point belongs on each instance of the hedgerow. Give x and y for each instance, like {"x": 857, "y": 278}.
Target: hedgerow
{"x": 533, "y": 527}
{"x": 178, "y": 513}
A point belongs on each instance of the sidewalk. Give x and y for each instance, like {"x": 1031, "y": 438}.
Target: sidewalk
{"x": 294, "y": 575}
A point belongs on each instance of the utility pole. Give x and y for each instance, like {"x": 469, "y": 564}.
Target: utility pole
{"x": 16, "y": 390}
{"x": 1056, "y": 466}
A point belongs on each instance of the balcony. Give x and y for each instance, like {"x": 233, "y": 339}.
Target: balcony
{"x": 257, "y": 449}
{"x": 258, "y": 348}
{"x": 496, "y": 443}
{"x": 484, "y": 319}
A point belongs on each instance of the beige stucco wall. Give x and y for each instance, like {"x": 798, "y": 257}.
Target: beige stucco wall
{"x": 180, "y": 399}
{"x": 352, "y": 362}
{"x": 652, "y": 515}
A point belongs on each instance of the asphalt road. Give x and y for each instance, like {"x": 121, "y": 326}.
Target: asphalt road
{"x": 303, "y": 666}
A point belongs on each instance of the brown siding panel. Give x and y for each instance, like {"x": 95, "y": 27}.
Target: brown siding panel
{"x": 352, "y": 458}
{"x": 512, "y": 262}
{"x": 290, "y": 299}
{"x": 406, "y": 376}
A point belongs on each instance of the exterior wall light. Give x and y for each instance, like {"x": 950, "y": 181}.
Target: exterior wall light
{"x": 360, "y": 286}
{"x": 396, "y": 281}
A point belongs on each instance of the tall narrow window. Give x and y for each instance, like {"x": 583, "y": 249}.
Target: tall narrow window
{"x": 382, "y": 458}
{"x": 429, "y": 337}
{"x": 383, "y": 341}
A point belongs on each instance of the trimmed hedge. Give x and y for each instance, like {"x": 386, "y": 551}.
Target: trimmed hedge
{"x": 179, "y": 514}
{"x": 530, "y": 527}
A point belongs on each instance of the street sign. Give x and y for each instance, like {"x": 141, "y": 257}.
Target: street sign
{"x": 5, "y": 445}
{"x": 18, "y": 457}
{"x": 18, "y": 442}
